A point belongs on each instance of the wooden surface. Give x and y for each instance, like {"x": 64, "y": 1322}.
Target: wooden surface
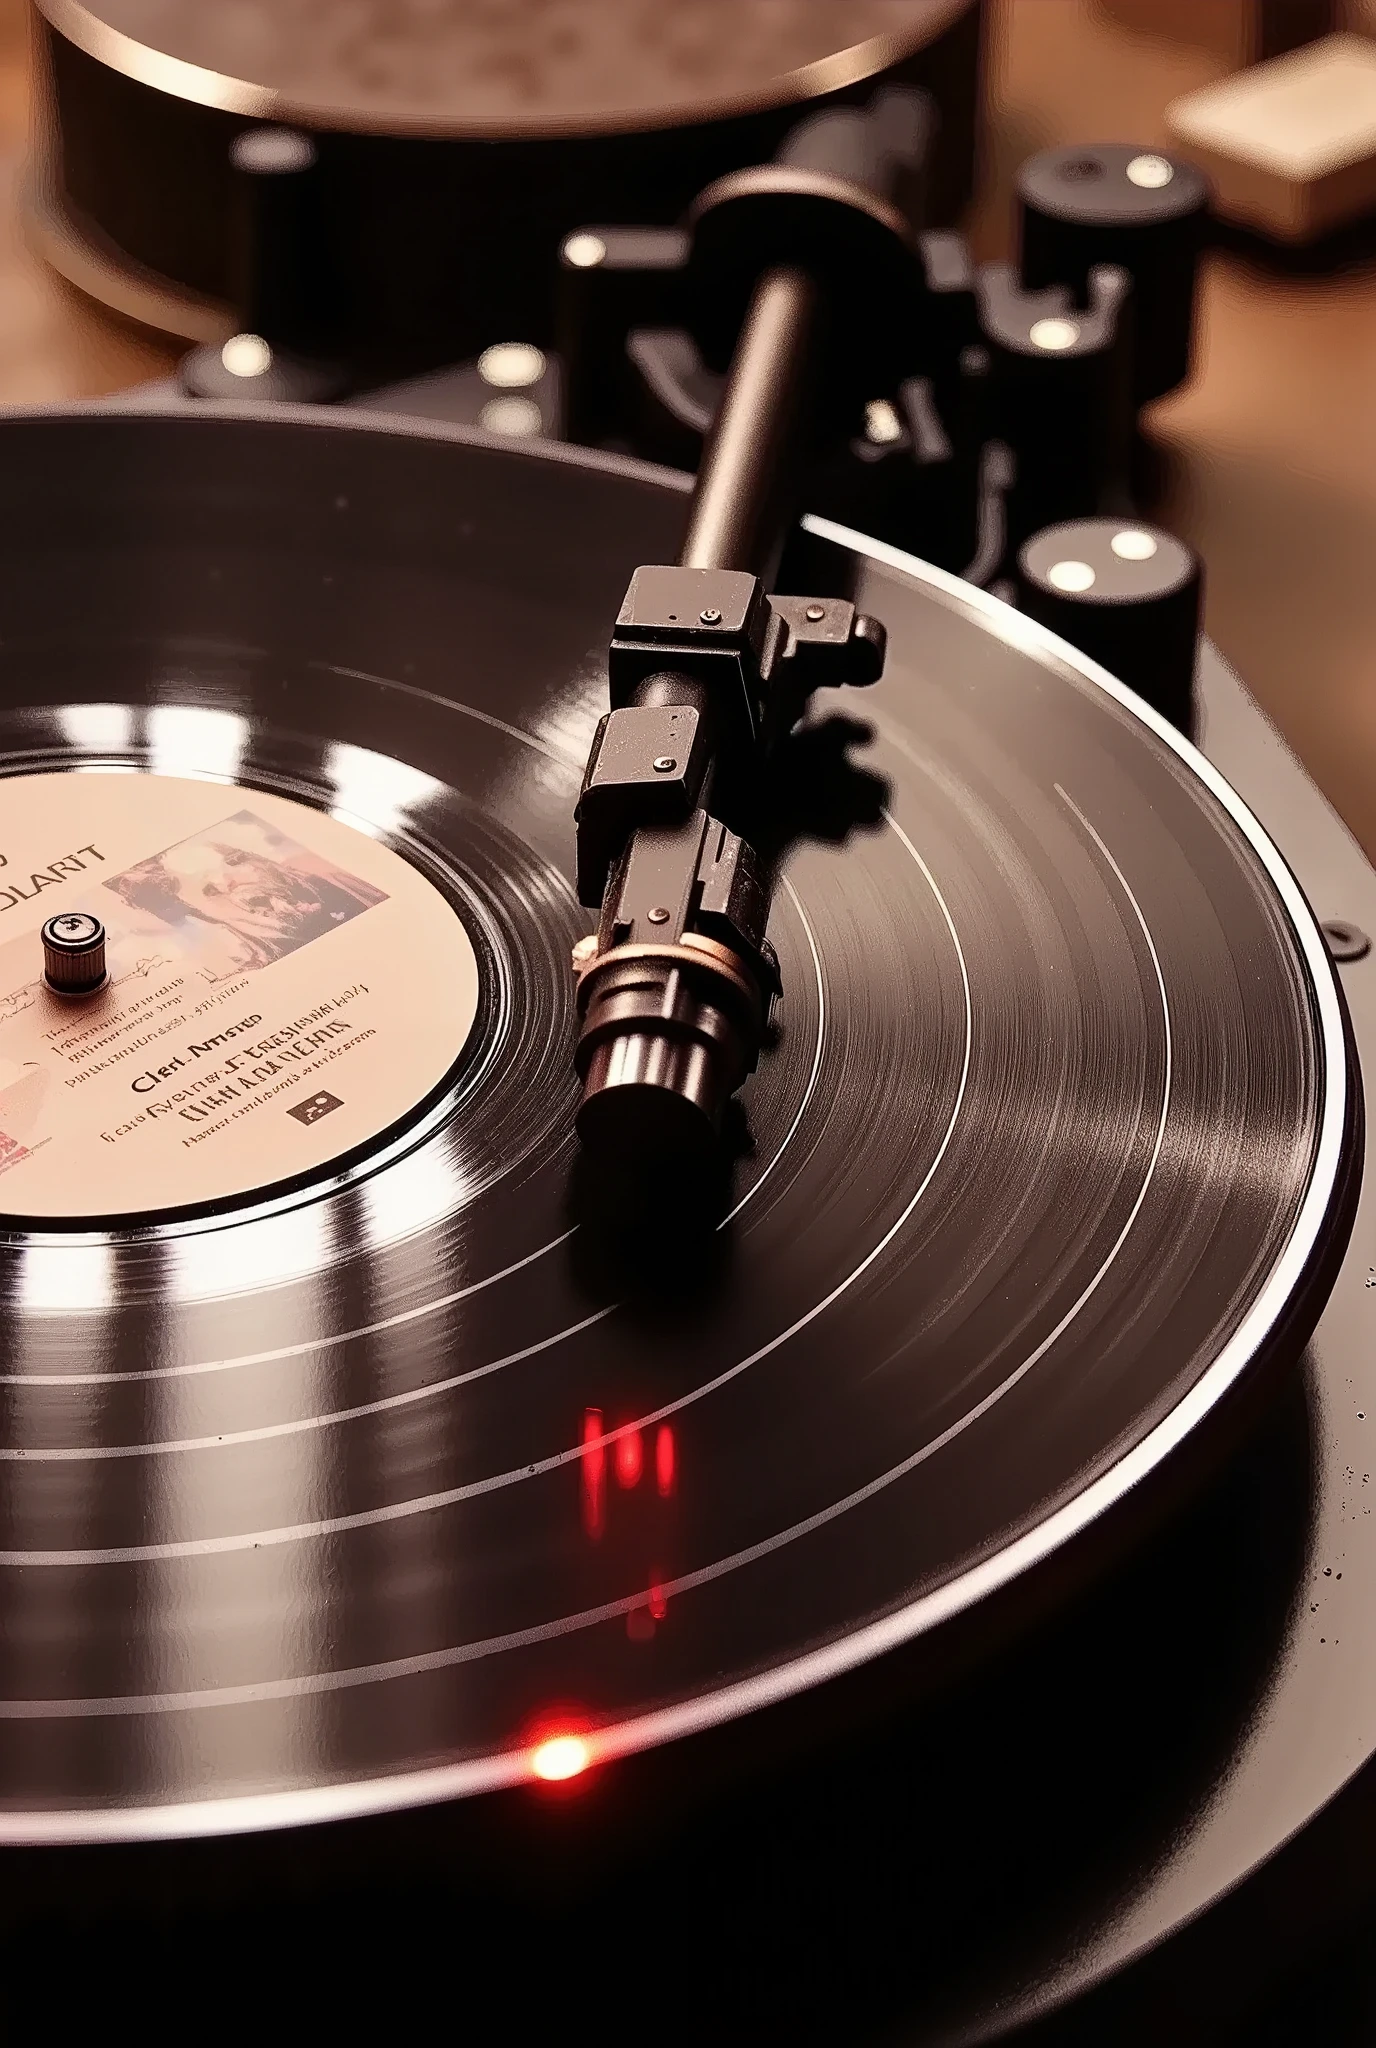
{"x": 1270, "y": 454}
{"x": 53, "y": 344}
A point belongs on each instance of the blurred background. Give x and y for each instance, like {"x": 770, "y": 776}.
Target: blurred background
{"x": 1269, "y": 453}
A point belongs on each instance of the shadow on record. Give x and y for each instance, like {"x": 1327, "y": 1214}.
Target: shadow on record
{"x": 815, "y": 789}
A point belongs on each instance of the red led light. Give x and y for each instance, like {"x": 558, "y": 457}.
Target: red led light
{"x": 593, "y": 1458}
{"x": 560, "y": 1757}
{"x": 664, "y": 1460}
{"x": 629, "y": 1458}
{"x": 659, "y": 1602}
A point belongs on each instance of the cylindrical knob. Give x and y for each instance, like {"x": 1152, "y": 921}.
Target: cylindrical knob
{"x": 282, "y": 288}
{"x": 1125, "y": 594}
{"x": 1138, "y": 208}
{"x": 611, "y": 281}
{"x": 1058, "y": 395}
{"x": 276, "y": 187}
{"x": 74, "y": 953}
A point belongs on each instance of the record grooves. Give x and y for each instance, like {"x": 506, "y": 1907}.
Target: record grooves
{"x": 360, "y": 1495}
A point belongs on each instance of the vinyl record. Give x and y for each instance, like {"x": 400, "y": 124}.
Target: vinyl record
{"x": 364, "y": 1457}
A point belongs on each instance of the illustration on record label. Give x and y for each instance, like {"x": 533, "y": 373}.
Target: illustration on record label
{"x": 282, "y": 988}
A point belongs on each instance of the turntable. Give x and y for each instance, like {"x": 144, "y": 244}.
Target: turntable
{"x": 852, "y": 1458}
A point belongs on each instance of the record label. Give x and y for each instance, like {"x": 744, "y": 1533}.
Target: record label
{"x": 282, "y": 989}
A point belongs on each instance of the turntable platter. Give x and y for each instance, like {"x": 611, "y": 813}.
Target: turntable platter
{"x": 458, "y": 144}
{"x": 394, "y": 1483}
{"x": 547, "y": 66}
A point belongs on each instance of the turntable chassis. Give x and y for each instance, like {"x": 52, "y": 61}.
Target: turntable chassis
{"x": 1313, "y": 1720}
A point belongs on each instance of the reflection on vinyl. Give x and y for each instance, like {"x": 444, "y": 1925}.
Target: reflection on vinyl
{"x": 404, "y": 1466}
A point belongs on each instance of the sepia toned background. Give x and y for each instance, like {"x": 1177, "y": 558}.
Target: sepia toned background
{"x": 1269, "y": 455}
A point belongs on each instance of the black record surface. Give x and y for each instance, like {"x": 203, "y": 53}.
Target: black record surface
{"x": 362, "y": 1497}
